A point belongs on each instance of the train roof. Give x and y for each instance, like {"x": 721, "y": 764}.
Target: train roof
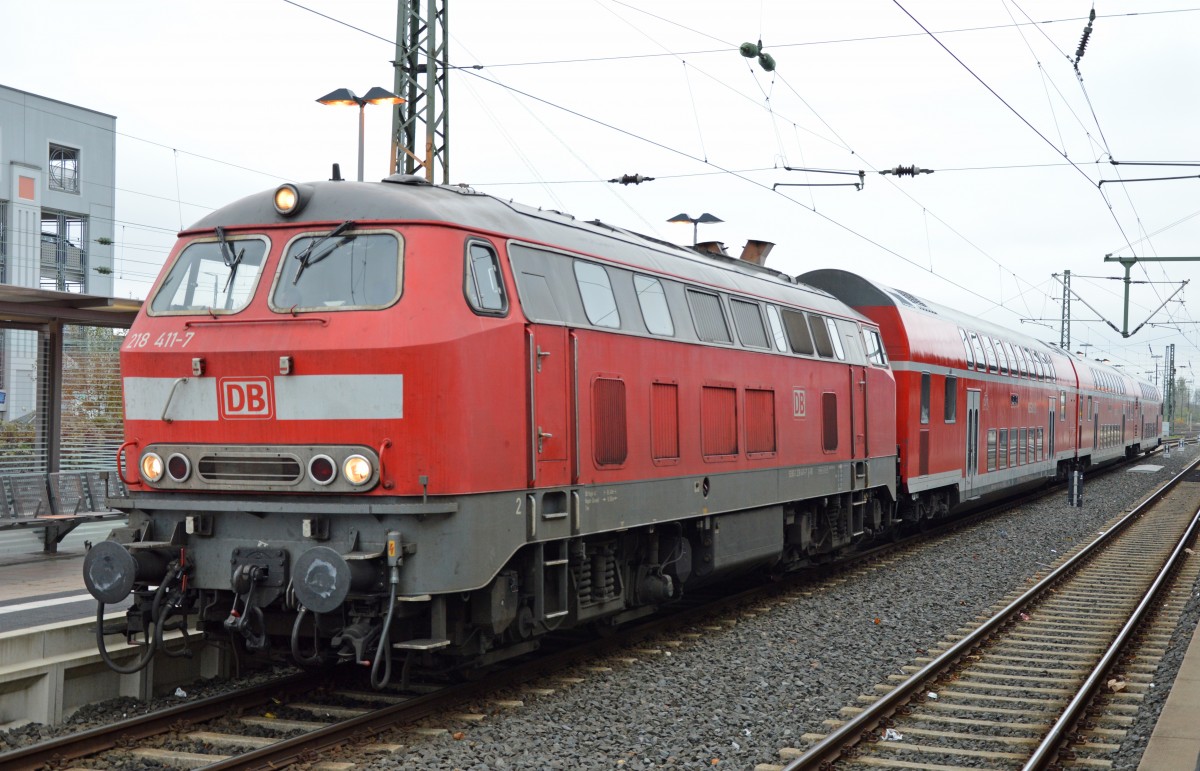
{"x": 410, "y": 198}
{"x": 860, "y": 292}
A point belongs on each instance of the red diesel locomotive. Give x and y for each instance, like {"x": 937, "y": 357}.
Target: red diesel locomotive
{"x": 402, "y": 421}
{"x": 367, "y": 420}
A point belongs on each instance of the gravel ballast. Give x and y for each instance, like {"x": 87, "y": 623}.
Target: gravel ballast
{"x": 737, "y": 694}
{"x": 733, "y": 698}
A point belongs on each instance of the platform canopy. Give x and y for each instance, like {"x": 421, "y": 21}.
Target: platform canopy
{"x": 25, "y": 305}
{"x": 60, "y": 387}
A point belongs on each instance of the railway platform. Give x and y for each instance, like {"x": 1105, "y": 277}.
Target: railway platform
{"x": 1175, "y": 743}
{"x": 41, "y": 589}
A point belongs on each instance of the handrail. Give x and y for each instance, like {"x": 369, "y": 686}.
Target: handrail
{"x": 120, "y": 468}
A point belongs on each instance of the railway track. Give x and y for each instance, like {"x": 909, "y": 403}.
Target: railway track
{"x": 276, "y": 725}
{"x": 1053, "y": 676}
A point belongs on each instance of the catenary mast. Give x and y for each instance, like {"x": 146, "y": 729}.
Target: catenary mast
{"x": 421, "y": 78}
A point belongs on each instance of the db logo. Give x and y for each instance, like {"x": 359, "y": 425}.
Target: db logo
{"x": 246, "y": 398}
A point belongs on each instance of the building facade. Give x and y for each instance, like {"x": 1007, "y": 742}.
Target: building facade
{"x": 57, "y": 178}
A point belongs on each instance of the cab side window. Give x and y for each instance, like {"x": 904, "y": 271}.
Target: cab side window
{"x": 484, "y": 286}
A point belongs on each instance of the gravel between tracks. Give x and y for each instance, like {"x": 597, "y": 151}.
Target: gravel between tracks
{"x": 736, "y": 696}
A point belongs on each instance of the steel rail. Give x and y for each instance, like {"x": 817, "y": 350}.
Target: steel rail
{"x": 54, "y": 751}
{"x": 1047, "y": 751}
{"x": 832, "y": 746}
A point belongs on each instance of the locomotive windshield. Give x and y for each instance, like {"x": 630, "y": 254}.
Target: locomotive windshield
{"x": 341, "y": 269}
{"x": 212, "y": 276}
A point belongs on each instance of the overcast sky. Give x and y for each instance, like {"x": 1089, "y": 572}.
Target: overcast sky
{"x": 216, "y": 100}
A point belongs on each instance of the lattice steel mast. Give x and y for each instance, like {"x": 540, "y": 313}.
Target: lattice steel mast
{"x": 421, "y": 78}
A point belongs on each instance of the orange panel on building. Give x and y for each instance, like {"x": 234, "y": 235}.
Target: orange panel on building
{"x": 25, "y": 188}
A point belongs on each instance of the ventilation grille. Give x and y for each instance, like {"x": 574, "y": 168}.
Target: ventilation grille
{"x": 250, "y": 468}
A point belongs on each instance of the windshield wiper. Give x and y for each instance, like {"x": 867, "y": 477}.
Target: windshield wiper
{"x": 306, "y": 256}
{"x": 232, "y": 260}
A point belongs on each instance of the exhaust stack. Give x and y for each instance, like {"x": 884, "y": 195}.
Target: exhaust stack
{"x": 756, "y": 251}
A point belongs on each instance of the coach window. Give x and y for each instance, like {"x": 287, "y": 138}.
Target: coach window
{"x": 980, "y": 362}
{"x": 991, "y": 449}
{"x": 596, "y": 292}
{"x": 653, "y": 302}
{"x": 1003, "y": 356}
{"x": 484, "y": 287}
{"x": 777, "y": 328}
{"x": 1062, "y": 405}
{"x": 820, "y": 333}
{"x": 1012, "y": 446}
{"x": 990, "y": 353}
{"x": 875, "y": 352}
{"x": 1021, "y": 361}
{"x": 207, "y": 277}
{"x": 797, "y": 331}
{"x": 1003, "y": 463}
{"x": 967, "y": 347}
{"x": 708, "y": 317}
{"x": 1014, "y": 368}
{"x": 950, "y": 411}
{"x": 925, "y": 378}
{"x": 359, "y": 269}
{"x": 748, "y": 320}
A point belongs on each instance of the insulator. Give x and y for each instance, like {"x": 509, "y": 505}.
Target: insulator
{"x": 748, "y": 50}
{"x": 767, "y": 62}
{"x": 1083, "y": 41}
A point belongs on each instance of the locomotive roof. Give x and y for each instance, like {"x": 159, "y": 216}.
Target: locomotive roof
{"x": 409, "y": 198}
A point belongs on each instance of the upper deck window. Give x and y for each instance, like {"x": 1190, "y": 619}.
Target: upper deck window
{"x": 967, "y": 347}
{"x": 356, "y": 269}
{"x": 210, "y": 278}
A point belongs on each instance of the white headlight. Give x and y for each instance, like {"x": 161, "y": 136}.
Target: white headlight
{"x": 152, "y": 467}
{"x": 357, "y": 470}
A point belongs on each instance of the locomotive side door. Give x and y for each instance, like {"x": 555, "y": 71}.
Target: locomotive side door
{"x": 972, "y": 440}
{"x": 549, "y": 405}
{"x": 858, "y": 411}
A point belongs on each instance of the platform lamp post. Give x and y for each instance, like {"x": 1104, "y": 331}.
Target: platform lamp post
{"x": 703, "y": 219}
{"x": 344, "y": 96}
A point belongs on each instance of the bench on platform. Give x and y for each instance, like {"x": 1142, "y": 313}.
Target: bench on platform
{"x": 58, "y": 502}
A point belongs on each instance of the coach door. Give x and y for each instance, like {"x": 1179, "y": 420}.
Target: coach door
{"x": 972, "y": 440}
{"x": 1050, "y": 433}
{"x": 549, "y": 405}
